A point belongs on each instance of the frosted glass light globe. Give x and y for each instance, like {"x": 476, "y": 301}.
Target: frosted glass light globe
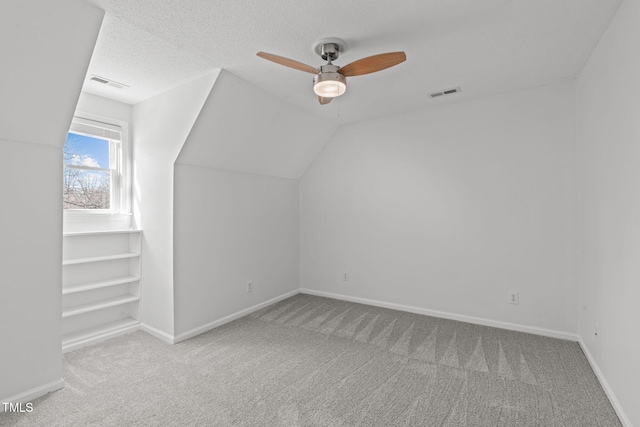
{"x": 329, "y": 85}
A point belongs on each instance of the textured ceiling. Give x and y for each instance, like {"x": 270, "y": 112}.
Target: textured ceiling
{"x": 485, "y": 47}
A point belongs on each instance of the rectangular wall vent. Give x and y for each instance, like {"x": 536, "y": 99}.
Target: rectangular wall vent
{"x": 105, "y": 81}
{"x": 444, "y": 92}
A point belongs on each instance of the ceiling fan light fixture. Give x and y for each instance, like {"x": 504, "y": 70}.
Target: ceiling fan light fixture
{"x": 329, "y": 85}
{"x": 330, "y": 80}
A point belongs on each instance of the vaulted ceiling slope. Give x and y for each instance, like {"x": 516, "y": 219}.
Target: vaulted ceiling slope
{"x": 246, "y": 129}
{"x": 46, "y": 50}
{"x": 485, "y": 47}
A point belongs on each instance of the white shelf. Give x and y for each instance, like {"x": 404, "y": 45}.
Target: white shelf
{"x": 92, "y": 233}
{"x": 103, "y": 332}
{"x": 101, "y": 289}
{"x": 101, "y": 258}
{"x": 99, "y": 284}
{"x": 111, "y": 302}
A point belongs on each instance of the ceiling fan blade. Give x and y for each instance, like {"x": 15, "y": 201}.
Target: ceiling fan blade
{"x": 323, "y": 100}
{"x": 371, "y": 64}
{"x": 288, "y": 62}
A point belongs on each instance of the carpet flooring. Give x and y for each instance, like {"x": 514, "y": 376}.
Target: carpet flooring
{"x": 312, "y": 361}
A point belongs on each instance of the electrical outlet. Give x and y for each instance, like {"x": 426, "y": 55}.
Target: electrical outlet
{"x": 514, "y": 298}
{"x": 249, "y": 287}
{"x": 596, "y": 330}
{"x": 345, "y": 277}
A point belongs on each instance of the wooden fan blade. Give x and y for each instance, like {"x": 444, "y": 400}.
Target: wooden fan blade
{"x": 372, "y": 64}
{"x": 288, "y": 62}
{"x": 323, "y": 100}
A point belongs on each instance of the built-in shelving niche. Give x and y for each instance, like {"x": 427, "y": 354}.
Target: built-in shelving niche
{"x": 100, "y": 286}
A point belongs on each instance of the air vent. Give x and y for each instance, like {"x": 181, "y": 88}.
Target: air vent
{"x": 107, "y": 82}
{"x": 444, "y": 92}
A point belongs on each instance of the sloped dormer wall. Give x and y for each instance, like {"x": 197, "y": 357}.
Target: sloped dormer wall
{"x": 236, "y": 203}
{"x": 160, "y": 127}
{"x": 56, "y": 38}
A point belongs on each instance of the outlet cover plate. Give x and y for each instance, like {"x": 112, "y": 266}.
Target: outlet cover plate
{"x": 514, "y": 298}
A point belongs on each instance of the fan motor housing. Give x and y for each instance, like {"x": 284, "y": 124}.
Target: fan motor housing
{"x": 330, "y": 52}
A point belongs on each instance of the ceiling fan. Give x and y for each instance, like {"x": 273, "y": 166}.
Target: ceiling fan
{"x": 330, "y": 80}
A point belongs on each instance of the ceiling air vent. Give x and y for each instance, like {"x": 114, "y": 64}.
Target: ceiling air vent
{"x": 444, "y": 92}
{"x": 106, "y": 81}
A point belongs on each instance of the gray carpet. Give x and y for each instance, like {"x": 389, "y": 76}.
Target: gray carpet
{"x": 311, "y": 361}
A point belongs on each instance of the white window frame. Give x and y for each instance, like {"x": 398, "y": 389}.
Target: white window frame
{"x": 120, "y": 203}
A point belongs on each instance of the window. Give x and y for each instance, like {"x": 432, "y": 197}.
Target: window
{"x": 93, "y": 167}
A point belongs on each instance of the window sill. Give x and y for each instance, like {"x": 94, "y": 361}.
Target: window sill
{"x": 93, "y": 212}
{"x": 85, "y": 221}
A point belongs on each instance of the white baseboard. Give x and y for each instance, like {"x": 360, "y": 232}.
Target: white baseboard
{"x": 98, "y": 338}
{"x": 605, "y": 385}
{"x": 445, "y": 315}
{"x": 169, "y": 339}
{"x": 204, "y": 328}
{"x": 34, "y": 393}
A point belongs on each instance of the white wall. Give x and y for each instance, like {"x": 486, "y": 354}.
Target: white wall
{"x": 608, "y": 134}
{"x": 448, "y": 209}
{"x": 231, "y": 228}
{"x": 236, "y": 202}
{"x": 94, "y": 104}
{"x": 161, "y": 125}
{"x": 31, "y": 273}
{"x": 35, "y": 114}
